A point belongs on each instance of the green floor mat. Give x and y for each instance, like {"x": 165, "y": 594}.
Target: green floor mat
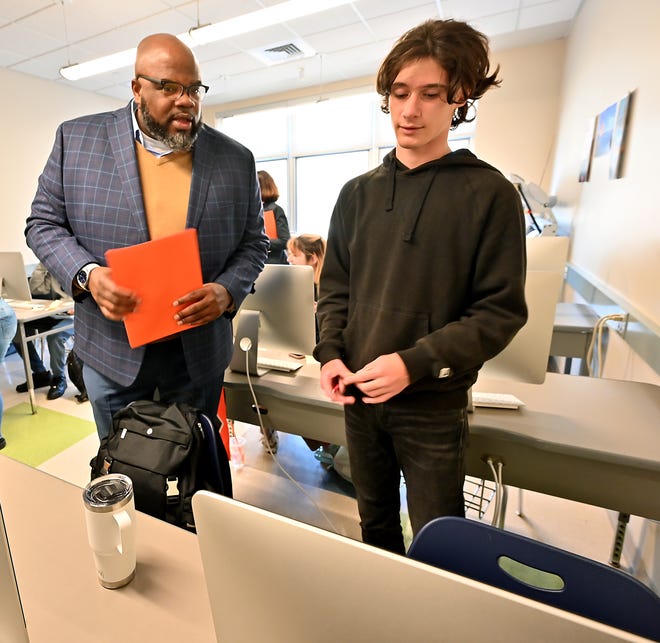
{"x": 33, "y": 439}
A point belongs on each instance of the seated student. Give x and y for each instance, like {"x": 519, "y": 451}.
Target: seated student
{"x": 43, "y": 286}
{"x": 7, "y": 331}
{"x": 309, "y": 250}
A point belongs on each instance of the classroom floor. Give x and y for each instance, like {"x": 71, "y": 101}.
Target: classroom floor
{"x": 317, "y": 496}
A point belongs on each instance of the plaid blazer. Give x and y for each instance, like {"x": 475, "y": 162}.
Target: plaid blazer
{"x": 89, "y": 199}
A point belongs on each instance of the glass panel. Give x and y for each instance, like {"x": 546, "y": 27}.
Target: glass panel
{"x": 263, "y": 132}
{"x": 336, "y": 124}
{"x": 318, "y": 182}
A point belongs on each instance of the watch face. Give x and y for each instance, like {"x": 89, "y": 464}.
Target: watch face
{"x": 82, "y": 279}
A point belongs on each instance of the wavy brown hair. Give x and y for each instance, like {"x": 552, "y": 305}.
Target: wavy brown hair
{"x": 459, "y": 49}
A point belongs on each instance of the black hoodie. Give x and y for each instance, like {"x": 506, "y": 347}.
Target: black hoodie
{"x": 428, "y": 263}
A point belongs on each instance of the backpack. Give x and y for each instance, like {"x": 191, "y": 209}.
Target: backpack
{"x": 169, "y": 451}
{"x": 74, "y": 367}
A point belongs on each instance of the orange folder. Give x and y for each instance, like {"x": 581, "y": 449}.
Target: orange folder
{"x": 159, "y": 271}
{"x": 271, "y": 226}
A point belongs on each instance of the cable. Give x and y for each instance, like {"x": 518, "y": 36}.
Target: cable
{"x": 267, "y": 443}
{"x": 597, "y": 342}
{"x": 498, "y": 520}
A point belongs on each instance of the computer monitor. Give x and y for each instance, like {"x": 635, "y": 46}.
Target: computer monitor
{"x": 525, "y": 359}
{"x": 284, "y": 299}
{"x": 12, "y": 620}
{"x": 547, "y": 253}
{"x": 270, "y": 578}
{"x": 14, "y": 278}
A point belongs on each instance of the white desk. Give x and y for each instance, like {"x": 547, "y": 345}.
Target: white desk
{"x": 62, "y": 599}
{"x": 167, "y": 601}
{"x": 572, "y": 332}
{"x": 24, "y": 315}
{"x": 590, "y": 440}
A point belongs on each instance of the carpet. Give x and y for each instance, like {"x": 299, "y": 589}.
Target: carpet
{"x": 33, "y": 439}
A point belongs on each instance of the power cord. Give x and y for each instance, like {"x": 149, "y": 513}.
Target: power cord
{"x": 597, "y": 343}
{"x": 245, "y": 345}
{"x": 498, "y": 511}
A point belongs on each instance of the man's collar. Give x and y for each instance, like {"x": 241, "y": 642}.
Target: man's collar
{"x": 157, "y": 148}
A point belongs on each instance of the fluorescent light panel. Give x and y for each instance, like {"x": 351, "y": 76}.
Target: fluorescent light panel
{"x": 253, "y": 21}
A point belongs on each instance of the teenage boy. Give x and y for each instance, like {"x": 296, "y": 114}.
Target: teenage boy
{"x": 423, "y": 282}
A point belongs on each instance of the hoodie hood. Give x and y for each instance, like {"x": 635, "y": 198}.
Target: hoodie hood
{"x": 408, "y": 189}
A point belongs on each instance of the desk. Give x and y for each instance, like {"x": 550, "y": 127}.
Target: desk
{"x": 168, "y": 602}
{"x": 62, "y": 599}
{"x": 589, "y": 440}
{"x": 571, "y": 335}
{"x": 23, "y": 316}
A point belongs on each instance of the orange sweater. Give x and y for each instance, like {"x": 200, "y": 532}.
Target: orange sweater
{"x": 165, "y": 190}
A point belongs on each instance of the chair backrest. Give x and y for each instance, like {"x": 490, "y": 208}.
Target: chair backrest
{"x": 539, "y": 571}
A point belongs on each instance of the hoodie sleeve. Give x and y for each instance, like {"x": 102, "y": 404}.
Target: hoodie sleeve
{"x": 332, "y": 307}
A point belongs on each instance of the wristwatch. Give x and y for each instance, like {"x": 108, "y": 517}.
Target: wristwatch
{"x": 82, "y": 278}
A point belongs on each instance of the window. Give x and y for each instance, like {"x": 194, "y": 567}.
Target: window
{"x": 312, "y": 149}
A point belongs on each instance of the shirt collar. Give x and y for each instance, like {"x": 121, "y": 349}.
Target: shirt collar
{"x": 157, "y": 148}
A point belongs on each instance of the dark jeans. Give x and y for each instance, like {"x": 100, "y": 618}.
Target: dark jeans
{"x": 410, "y": 435}
{"x": 163, "y": 376}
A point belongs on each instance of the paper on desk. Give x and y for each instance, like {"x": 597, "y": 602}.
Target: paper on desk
{"x": 159, "y": 271}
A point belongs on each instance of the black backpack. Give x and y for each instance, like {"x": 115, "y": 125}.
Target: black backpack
{"x": 169, "y": 451}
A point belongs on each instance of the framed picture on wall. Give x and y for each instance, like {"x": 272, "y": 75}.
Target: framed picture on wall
{"x": 604, "y": 130}
{"x": 618, "y": 145}
{"x": 587, "y": 149}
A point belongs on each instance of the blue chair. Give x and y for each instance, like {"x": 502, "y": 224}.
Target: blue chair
{"x": 539, "y": 571}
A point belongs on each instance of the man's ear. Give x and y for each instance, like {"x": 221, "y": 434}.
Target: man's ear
{"x": 136, "y": 87}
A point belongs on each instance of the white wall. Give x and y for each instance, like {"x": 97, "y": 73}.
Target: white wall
{"x": 517, "y": 123}
{"x": 614, "y": 48}
{"x": 31, "y": 111}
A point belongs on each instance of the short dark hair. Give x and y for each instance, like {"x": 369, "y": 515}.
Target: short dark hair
{"x": 269, "y": 191}
{"x": 459, "y": 49}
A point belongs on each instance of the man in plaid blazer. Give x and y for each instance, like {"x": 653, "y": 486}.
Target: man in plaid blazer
{"x": 90, "y": 199}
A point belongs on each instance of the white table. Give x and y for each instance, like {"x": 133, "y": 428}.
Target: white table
{"x": 589, "y": 440}
{"x": 25, "y": 315}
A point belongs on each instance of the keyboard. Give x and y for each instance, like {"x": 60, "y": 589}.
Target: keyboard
{"x": 286, "y": 364}
{"x": 496, "y": 400}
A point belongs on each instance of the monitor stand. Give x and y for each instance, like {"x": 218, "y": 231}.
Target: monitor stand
{"x": 246, "y": 342}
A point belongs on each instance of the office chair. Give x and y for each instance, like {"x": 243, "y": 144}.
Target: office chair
{"x": 539, "y": 571}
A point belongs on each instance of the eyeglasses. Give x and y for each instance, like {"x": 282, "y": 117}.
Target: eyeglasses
{"x": 174, "y": 90}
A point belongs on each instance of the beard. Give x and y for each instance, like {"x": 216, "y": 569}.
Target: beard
{"x": 179, "y": 142}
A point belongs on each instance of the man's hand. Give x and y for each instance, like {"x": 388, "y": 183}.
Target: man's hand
{"x": 333, "y": 374}
{"x": 114, "y": 301}
{"x": 381, "y": 379}
{"x": 203, "y": 305}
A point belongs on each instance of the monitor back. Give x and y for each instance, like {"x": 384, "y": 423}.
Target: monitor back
{"x": 14, "y": 278}
{"x": 270, "y": 578}
{"x": 284, "y": 297}
{"x": 525, "y": 359}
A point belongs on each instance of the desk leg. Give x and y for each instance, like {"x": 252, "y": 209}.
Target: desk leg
{"x": 618, "y": 539}
{"x": 26, "y": 366}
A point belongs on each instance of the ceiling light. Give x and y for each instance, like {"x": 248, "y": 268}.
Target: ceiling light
{"x": 282, "y": 12}
{"x": 99, "y": 65}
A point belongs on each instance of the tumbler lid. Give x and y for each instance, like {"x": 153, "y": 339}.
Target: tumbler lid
{"x": 108, "y": 493}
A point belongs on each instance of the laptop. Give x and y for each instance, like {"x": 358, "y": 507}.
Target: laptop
{"x": 12, "y": 620}
{"x": 270, "y": 578}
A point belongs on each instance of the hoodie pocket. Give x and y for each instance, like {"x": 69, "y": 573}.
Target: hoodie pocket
{"x": 373, "y": 331}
